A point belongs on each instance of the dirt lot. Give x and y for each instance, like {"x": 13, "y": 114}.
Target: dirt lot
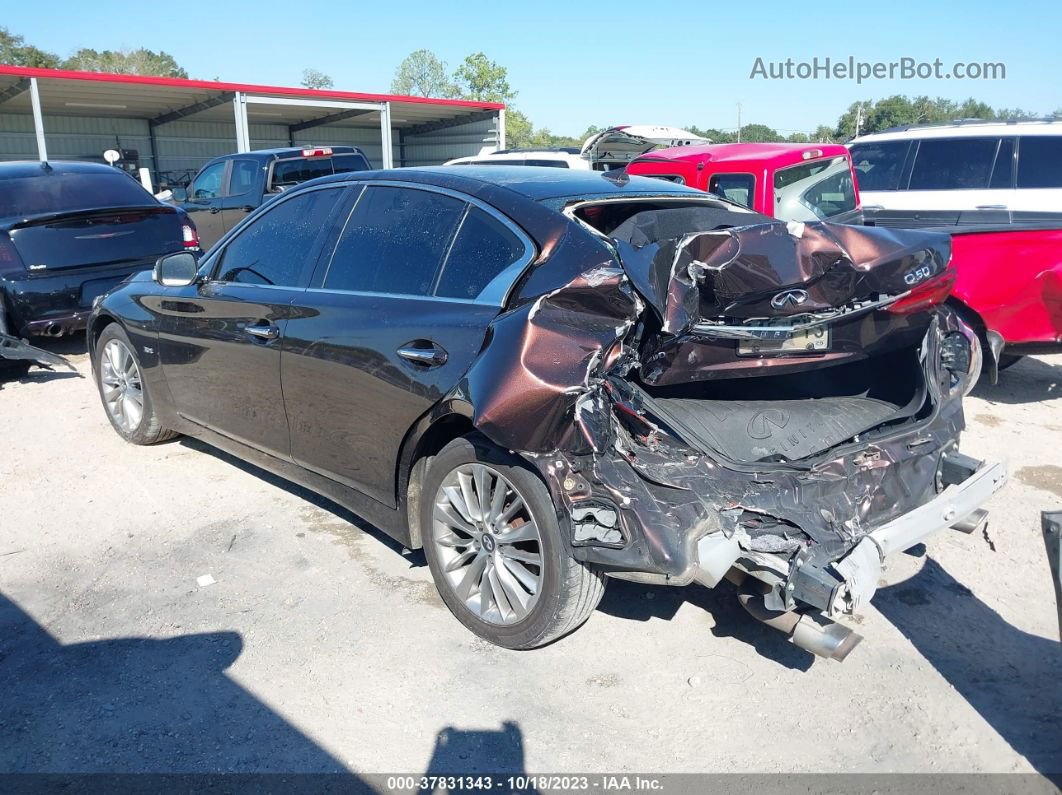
{"x": 322, "y": 646}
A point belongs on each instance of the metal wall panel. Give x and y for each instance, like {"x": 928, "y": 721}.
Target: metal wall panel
{"x": 438, "y": 147}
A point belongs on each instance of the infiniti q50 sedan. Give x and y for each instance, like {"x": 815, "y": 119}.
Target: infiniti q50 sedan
{"x": 547, "y": 378}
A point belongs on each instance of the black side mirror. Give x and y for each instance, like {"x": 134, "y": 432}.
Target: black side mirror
{"x": 176, "y": 270}
{"x": 179, "y": 194}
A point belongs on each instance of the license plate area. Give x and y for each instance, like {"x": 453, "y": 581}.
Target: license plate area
{"x": 813, "y": 340}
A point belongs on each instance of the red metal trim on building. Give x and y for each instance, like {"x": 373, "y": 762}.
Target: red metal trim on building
{"x": 211, "y": 85}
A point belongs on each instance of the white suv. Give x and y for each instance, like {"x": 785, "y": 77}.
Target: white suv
{"x": 963, "y": 166}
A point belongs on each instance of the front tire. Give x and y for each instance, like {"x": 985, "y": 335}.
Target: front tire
{"x": 494, "y": 546}
{"x": 126, "y": 398}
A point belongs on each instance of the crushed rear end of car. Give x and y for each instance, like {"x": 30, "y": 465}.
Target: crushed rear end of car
{"x": 723, "y": 395}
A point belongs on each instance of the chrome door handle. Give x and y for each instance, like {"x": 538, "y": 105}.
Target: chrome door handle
{"x": 263, "y": 332}
{"x": 991, "y": 206}
{"x": 431, "y": 356}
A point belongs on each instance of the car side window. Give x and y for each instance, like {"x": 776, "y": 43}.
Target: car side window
{"x": 737, "y": 188}
{"x": 273, "y": 248}
{"x": 878, "y": 165}
{"x": 953, "y": 163}
{"x": 483, "y": 248}
{"x": 242, "y": 177}
{"x": 208, "y": 184}
{"x": 1040, "y": 161}
{"x": 394, "y": 241}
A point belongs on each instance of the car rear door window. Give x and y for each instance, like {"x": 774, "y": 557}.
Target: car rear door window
{"x": 242, "y": 177}
{"x": 878, "y": 166}
{"x": 484, "y": 247}
{"x": 953, "y": 163}
{"x": 1040, "y": 162}
{"x": 737, "y": 188}
{"x": 274, "y": 248}
{"x": 208, "y": 184}
{"x": 394, "y": 241}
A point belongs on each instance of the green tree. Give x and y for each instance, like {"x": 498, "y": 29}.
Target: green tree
{"x": 422, "y": 74}
{"x": 312, "y": 78}
{"x": 15, "y": 52}
{"x": 798, "y": 138}
{"x": 758, "y": 133}
{"x": 823, "y": 134}
{"x": 125, "y": 62}
{"x": 483, "y": 80}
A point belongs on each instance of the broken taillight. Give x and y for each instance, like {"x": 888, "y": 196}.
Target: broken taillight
{"x": 930, "y": 293}
{"x": 190, "y": 236}
{"x": 8, "y": 255}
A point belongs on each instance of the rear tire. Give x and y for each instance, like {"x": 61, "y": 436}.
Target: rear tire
{"x": 471, "y": 550}
{"x": 126, "y": 397}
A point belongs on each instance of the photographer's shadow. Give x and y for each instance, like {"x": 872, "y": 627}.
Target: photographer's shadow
{"x": 1013, "y": 679}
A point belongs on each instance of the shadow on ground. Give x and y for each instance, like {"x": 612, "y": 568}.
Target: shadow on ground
{"x": 637, "y": 602}
{"x": 1031, "y": 380}
{"x": 138, "y": 705}
{"x": 1013, "y": 679}
{"x": 414, "y": 559}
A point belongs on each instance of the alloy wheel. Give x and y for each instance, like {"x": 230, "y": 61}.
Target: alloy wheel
{"x": 487, "y": 543}
{"x": 123, "y": 390}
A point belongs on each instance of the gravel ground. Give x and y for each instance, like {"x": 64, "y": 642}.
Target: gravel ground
{"x": 321, "y": 645}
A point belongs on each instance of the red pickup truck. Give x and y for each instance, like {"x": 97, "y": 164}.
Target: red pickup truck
{"x": 793, "y": 182}
{"x": 1009, "y": 284}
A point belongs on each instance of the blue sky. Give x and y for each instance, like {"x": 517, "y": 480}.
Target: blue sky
{"x": 591, "y": 63}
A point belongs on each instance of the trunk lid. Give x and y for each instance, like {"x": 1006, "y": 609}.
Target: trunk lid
{"x": 83, "y": 238}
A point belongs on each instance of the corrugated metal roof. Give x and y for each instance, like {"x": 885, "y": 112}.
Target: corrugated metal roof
{"x": 133, "y": 96}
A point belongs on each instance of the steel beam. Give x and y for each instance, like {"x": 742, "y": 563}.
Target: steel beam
{"x": 445, "y": 124}
{"x": 13, "y": 91}
{"x": 501, "y": 128}
{"x": 243, "y": 132}
{"x": 331, "y": 118}
{"x": 38, "y": 120}
{"x": 387, "y": 148}
{"x": 191, "y": 110}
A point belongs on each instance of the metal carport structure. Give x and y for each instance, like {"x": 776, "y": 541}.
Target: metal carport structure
{"x": 180, "y": 123}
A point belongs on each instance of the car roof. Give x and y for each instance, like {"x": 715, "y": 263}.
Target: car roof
{"x": 533, "y": 182}
{"x": 776, "y": 154}
{"x": 287, "y": 151}
{"x": 964, "y": 129}
{"x": 15, "y": 169}
{"x": 518, "y": 154}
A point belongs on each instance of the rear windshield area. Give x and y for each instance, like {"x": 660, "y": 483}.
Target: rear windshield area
{"x": 292, "y": 171}
{"x": 53, "y": 192}
{"x": 814, "y": 191}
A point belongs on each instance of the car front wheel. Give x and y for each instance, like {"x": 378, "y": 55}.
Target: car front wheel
{"x": 494, "y": 546}
{"x": 125, "y": 396}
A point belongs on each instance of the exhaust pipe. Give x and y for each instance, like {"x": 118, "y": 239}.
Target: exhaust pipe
{"x": 976, "y": 521}
{"x": 810, "y": 631}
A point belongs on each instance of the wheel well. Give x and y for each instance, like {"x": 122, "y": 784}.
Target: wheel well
{"x": 97, "y": 329}
{"x": 441, "y": 433}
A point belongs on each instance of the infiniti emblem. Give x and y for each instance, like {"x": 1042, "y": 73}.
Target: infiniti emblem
{"x": 789, "y": 298}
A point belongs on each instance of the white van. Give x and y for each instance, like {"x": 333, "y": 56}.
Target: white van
{"x": 962, "y": 166}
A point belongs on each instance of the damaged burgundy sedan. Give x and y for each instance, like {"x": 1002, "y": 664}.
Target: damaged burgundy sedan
{"x": 545, "y": 379}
